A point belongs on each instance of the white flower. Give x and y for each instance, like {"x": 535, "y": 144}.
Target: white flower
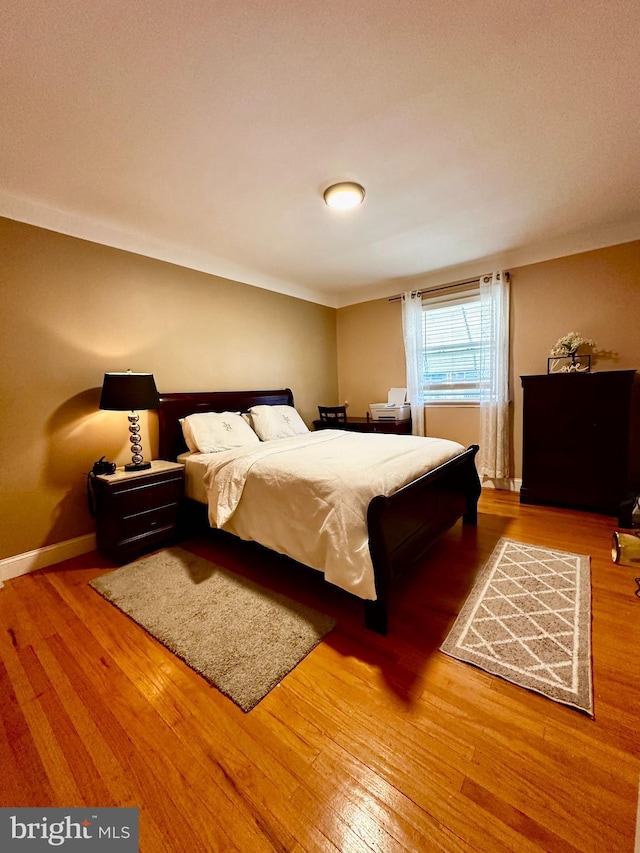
{"x": 570, "y": 343}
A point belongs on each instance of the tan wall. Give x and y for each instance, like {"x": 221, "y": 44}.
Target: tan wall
{"x": 595, "y": 293}
{"x": 371, "y": 360}
{"x": 370, "y": 353}
{"x": 72, "y": 310}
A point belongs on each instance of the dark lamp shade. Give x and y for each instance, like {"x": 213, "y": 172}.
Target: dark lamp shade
{"x": 122, "y": 392}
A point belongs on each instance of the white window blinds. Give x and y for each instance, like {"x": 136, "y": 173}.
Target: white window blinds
{"x": 452, "y": 343}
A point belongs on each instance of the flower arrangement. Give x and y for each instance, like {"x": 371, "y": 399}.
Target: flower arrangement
{"x": 569, "y": 344}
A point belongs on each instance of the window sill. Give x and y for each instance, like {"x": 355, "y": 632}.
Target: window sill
{"x": 459, "y": 404}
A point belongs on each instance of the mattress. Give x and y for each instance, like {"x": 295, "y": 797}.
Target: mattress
{"x": 195, "y": 467}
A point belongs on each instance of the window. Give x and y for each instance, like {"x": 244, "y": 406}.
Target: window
{"x": 452, "y": 342}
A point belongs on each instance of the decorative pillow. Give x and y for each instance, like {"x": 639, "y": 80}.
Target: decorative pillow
{"x": 272, "y": 422}
{"x": 214, "y": 431}
{"x": 188, "y": 435}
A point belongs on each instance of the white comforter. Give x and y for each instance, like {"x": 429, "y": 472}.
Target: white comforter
{"x": 307, "y": 496}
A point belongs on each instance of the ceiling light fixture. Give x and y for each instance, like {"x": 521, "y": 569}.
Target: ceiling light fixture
{"x": 344, "y": 196}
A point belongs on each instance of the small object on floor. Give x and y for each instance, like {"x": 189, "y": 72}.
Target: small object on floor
{"x": 625, "y": 549}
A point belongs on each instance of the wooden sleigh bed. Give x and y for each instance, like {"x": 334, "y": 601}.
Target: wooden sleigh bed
{"x": 401, "y": 526}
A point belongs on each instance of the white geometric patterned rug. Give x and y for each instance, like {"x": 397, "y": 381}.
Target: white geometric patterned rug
{"x": 528, "y": 620}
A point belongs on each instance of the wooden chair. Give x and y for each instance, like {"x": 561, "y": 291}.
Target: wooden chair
{"x": 333, "y": 414}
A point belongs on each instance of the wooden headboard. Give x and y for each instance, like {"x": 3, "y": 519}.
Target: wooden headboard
{"x": 180, "y": 404}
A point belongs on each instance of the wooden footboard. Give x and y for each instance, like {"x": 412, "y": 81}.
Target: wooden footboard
{"x": 404, "y": 524}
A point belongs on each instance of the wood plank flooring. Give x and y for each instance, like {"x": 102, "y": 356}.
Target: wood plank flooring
{"x": 370, "y": 744}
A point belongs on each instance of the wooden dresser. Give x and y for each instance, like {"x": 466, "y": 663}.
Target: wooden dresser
{"x": 581, "y": 440}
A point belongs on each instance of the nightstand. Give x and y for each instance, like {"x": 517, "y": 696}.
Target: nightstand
{"x": 137, "y": 511}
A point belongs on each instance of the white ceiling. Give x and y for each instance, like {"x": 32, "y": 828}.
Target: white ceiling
{"x": 203, "y": 132}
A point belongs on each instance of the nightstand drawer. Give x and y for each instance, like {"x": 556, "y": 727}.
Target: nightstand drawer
{"x": 132, "y": 499}
{"x": 148, "y": 522}
{"x": 128, "y": 550}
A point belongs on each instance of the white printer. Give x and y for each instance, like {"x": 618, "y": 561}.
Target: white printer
{"x": 395, "y": 409}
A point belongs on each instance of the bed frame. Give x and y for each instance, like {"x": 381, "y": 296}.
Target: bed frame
{"x": 401, "y": 526}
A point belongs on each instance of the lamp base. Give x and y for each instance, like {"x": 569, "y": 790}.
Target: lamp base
{"x": 142, "y": 466}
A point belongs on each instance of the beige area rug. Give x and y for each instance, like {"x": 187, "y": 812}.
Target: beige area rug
{"x": 528, "y": 620}
{"x": 243, "y": 638}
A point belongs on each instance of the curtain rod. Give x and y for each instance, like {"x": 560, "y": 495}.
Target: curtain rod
{"x": 398, "y": 296}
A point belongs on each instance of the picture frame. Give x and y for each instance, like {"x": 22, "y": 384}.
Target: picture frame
{"x": 573, "y": 363}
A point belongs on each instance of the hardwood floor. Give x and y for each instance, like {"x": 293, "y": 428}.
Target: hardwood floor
{"x": 370, "y": 744}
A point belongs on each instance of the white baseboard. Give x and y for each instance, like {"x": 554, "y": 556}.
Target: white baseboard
{"x": 31, "y": 561}
{"x": 511, "y": 485}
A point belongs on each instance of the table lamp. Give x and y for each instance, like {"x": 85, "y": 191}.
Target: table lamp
{"x": 131, "y": 392}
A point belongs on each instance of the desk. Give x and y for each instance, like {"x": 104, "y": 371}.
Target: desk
{"x": 364, "y": 425}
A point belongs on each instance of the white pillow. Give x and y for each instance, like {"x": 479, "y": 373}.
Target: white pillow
{"x": 272, "y": 422}
{"x": 188, "y": 435}
{"x": 214, "y": 431}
